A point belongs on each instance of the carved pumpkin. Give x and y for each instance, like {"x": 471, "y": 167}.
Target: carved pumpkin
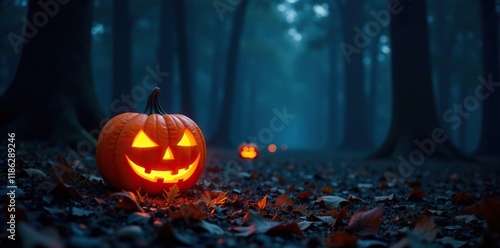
{"x": 151, "y": 151}
{"x": 248, "y": 150}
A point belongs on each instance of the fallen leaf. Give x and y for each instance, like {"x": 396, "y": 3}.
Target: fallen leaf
{"x": 128, "y": 201}
{"x": 451, "y": 242}
{"x": 341, "y": 216}
{"x": 100, "y": 200}
{"x": 303, "y": 225}
{"x": 304, "y": 196}
{"x": 327, "y": 190}
{"x": 80, "y": 212}
{"x": 139, "y": 218}
{"x": 61, "y": 187}
{"x": 212, "y": 198}
{"x": 435, "y": 212}
{"x": 366, "y": 223}
{"x": 385, "y": 198}
{"x": 466, "y": 218}
{"x": 300, "y": 209}
{"x": 261, "y": 225}
{"x": 331, "y": 202}
{"x": 491, "y": 211}
{"x": 416, "y": 194}
{"x": 34, "y": 172}
{"x": 325, "y": 219}
{"x": 283, "y": 201}
{"x": 188, "y": 212}
{"x": 353, "y": 198}
{"x": 171, "y": 194}
{"x": 332, "y": 213}
{"x": 462, "y": 198}
{"x": 262, "y": 203}
{"x": 425, "y": 229}
{"x": 210, "y": 228}
{"x": 169, "y": 236}
{"x": 342, "y": 239}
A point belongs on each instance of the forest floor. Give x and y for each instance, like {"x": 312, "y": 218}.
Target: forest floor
{"x": 284, "y": 200}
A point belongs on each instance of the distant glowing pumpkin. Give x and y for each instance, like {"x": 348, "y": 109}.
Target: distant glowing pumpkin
{"x": 248, "y": 150}
{"x": 151, "y": 151}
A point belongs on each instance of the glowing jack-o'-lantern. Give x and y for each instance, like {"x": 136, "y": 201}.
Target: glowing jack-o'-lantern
{"x": 151, "y": 151}
{"x": 248, "y": 150}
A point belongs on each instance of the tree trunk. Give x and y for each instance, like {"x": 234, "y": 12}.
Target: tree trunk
{"x": 122, "y": 48}
{"x": 489, "y": 143}
{"x": 371, "y": 98}
{"x": 355, "y": 135}
{"x": 166, "y": 53}
{"x": 183, "y": 56}
{"x": 216, "y": 74}
{"x": 221, "y": 136}
{"x": 415, "y": 132}
{"x": 52, "y": 93}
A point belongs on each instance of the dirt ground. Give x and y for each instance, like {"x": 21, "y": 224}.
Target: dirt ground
{"x": 287, "y": 199}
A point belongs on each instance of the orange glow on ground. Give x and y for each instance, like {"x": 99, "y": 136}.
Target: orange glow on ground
{"x": 271, "y": 148}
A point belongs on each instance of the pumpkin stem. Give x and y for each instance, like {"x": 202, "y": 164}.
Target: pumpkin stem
{"x": 153, "y": 106}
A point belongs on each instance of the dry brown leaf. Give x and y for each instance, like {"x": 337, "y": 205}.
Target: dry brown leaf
{"x": 304, "y": 196}
{"x": 188, "y": 212}
{"x": 342, "y": 239}
{"x": 327, "y": 190}
{"x": 416, "y": 194}
{"x": 212, "y": 198}
{"x": 283, "y": 201}
{"x": 491, "y": 211}
{"x": 353, "y": 198}
{"x": 300, "y": 209}
{"x": 366, "y": 223}
{"x": 171, "y": 194}
{"x": 261, "y": 225}
{"x": 262, "y": 203}
{"x": 128, "y": 201}
{"x": 325, "y": 219}
{"x": 331, "y": 202}
{"x": 462, "y": 198}
{"x": 425, "y": 229}
{"x": 341, "y": 216}
{"x": 332, "y": 213}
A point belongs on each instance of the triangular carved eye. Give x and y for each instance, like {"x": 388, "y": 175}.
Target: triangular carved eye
{"x": 143, "y": 141}
{"x": 187, "y": 139}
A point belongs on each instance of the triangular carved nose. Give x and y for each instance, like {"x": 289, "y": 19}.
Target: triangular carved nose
{"x": 168, "y": 155}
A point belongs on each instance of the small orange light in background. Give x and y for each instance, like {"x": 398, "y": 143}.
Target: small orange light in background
{"x": 271, "y": 148}
{"x": 284, "y": 147}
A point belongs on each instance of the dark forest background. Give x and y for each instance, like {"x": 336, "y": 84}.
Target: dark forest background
{"x": 231, "y": 65}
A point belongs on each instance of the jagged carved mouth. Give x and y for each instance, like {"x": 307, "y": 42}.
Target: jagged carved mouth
{"x": 166, "y": 175}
